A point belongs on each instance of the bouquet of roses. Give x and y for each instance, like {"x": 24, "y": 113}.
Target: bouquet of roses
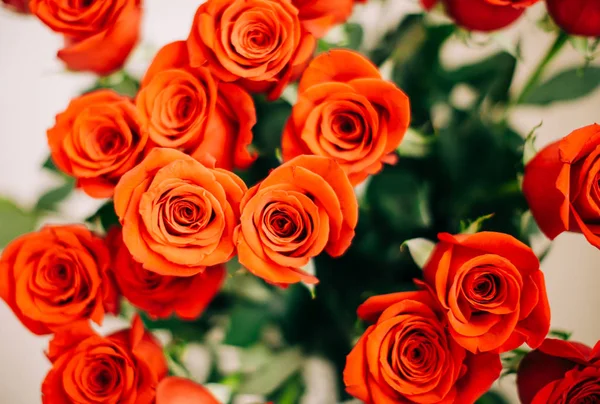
{"x": 279, "y": 196}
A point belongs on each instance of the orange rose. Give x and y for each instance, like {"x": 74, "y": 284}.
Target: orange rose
{"x": 97, "y": 139}
{"x": 56, "y": 277}
{"x": 158, "y": 295}
{"x": 259, "y": 43}
{"x": 99, "y": 35}
{"x": 346, "y": 111}
{"x": 124, "y": 367}
{"x": 318, "y": 16}
{"x": 178, "y": 216}
{"x": 562, "y": 188}
{"x": 303, "y": 207}
{"x": 186, "y": 109}
{"x": 408, "y": 356}
{"x": 492, "y": 289}
{"x": 175, "y": 390}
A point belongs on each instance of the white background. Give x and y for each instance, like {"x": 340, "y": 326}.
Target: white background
{"x": 34, "y": 87}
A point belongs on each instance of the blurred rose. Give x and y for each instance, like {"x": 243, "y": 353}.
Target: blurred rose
{"x": 480, "y": 15}
{"x": 577, "y": 17}
{"x": 99, "y": 35}
{"x": 176, "y": 390}
{"x": 20, "y": 6}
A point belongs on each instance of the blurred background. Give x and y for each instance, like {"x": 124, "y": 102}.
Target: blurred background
{"x": 34, "y": 87}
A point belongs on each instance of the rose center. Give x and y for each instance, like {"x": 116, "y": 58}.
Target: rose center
{"x": 483, "y": 288}
{"x": 110, "y": 141}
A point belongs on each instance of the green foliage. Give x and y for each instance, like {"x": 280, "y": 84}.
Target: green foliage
{"x": 120, "y": 82}
{"x": 52, "y": 198}
{"x": 420, "y": 250}
{"x": 567, "y": 85}
{"x": 492, "y": 397}
{"x": 106, "y": 216}
{"x": 273, "y": 374}
{"x": 14, "y": 221}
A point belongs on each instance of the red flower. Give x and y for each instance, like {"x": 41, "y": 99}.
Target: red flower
{"x": 560, "y": 372}
{"x": 577, "y": 17}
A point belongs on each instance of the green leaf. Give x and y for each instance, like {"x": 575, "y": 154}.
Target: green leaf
{"x": 492, "y": 397}
{"x": 475, "y": 226}
{"x": 245, "y": 325}
{"x": 560, "y": 334}
{"x": 106, "y": 215}
{"x": 49, "y": 165}
{"x": 272, "y": 117}
{"x": 568, "y": 85}
{"x": 120, "y": 82}
{"x": 14, "y": 221}
{"x": 529, "y": 150}
{"x": 271, "y": 376}
{"x": 420, "y": 250}
{"x": 50, "y": 200}
{"x": 354, "y": 35}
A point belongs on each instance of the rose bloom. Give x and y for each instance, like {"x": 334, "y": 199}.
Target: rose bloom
{"x": 492, "y": 290}
{"x": 259, "y": 43}
{"x": 160, "y": 295}
{"x": 176, "y": 390}
{"x": 561, "y": 185}
{"x": 19, "y": 6}
{"x": 514, "y": 3}
{"x": 560, "y": 372}
{"x": 99, "y": 35}
{"x": 97, "y": 139}
{"x": 481, "y": 15}
{"x": 124, "y": 367}
{"x": 178, "y": 215}
{"x": 577, "y": 17}
{"x": 187, "y": 109}
{"x": 408, "y": 356}
{"x": 57, "y": 276}
{"x": 346, "y": 111}
{"x": 318, "y": 16}
{"x": 303, "y": 207}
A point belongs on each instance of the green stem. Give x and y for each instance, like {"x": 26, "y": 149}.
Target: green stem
{"x": 534, "y": 80}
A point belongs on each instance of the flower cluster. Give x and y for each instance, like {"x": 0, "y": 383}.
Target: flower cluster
{"x": 171, "y": 162}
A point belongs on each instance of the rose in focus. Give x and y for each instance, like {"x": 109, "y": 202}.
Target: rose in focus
{"x": 161, "y": 295}
{"x": 346, "y": 111}
{"x": 560, "y": 372}
{"x": 259, "y": 44}
{"x": 56, "y": 277}
{"x": 187, "y": 109}
{"x": 492, "y": 290}
{"x": 124, "y": 367}
{"x": 408, "y": 356}
{"x": 97, "y": 139}
{"x": 99, "y": 35}
{"x": 178, "y": 215}
{"x": 302, "y": 208}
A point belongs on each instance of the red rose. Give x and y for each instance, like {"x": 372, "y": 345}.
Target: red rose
{"x": 479, "y": 15}
{"x": 99, "y": 35}
{"x": 161, "y": 295}
{"x": 408, "y": 356}
{"x": 561, "y": 185}
{"x": 188, "y": 109}
{"x": 492, "y": 290}
{"x": 318, "y": 16}
{"x": 19, "y": 6}
{"x": 560, "y": 372}
{"x": 259, "y": 43}
{"x": 56, "y": 277}
{"x": 577, "y": 17}
{"x": 175, "y": 390}
{"x": 124, "y": 367}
